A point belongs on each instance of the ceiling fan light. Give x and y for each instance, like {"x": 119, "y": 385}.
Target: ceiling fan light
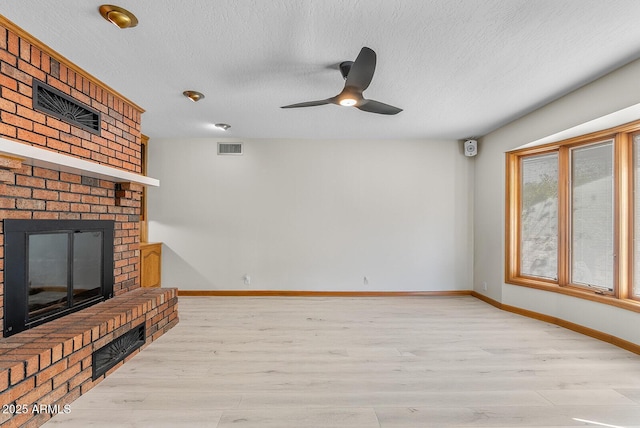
{"x": 118, "y": 16}
{"x": 348, "y": 97}
{"x": 348, "y": 102}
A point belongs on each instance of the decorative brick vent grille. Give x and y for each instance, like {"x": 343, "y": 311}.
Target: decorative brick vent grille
{"x": 117, "y": 350}
{"x": 50, "y": 100}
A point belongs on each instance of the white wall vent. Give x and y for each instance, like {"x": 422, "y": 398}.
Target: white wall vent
{"x": 229, "y": 148}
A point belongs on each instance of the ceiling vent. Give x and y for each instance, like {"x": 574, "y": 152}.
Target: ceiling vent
{"x": 229, "y": 148}
{"x": 51, "y": 101}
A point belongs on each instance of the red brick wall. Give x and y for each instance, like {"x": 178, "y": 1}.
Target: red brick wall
{"x": 119, "y": 142}
{"x": 36, "y": 193}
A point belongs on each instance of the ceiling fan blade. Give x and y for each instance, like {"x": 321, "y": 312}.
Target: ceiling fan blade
{"x": 373, "y": 106}
{"x": 310, "y": 103}
{"x": 362, "y": 70}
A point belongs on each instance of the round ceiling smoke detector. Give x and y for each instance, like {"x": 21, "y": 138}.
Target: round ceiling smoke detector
{"x": 222, "y": 126}
{"x": 193, "y": 95}
{"x": 118, "y": 16}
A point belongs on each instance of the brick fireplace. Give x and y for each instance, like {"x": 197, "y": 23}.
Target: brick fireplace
{"x": 51, "y": 364}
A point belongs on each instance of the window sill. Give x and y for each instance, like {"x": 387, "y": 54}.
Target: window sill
{"x": 628, "y": 304}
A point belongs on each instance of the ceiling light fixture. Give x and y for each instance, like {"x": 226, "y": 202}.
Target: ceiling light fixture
{"x": 118, "y": 16}
{"x": 222, "y": 126}
{"x": 348, "y": 102}
{"x": 349, "y": 97}
{"x": 194, "y": 96}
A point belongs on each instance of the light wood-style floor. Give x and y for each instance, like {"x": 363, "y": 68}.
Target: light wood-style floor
{"x": 391, "y": 362}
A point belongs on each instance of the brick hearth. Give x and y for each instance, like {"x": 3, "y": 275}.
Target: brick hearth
{"x": 51, "y": 364}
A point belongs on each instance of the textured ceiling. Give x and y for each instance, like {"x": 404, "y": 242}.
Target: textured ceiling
{"x": 458, "y": 68}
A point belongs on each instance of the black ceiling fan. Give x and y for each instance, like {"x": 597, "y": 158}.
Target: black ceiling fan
{"x": 358, "y": 75}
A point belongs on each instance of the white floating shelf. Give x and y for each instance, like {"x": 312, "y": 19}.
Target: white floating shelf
{"x": 43, "y": 158}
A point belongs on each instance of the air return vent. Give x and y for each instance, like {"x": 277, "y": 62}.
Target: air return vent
{"x": 229, "y": 148}
{"x": 51, "y": 101}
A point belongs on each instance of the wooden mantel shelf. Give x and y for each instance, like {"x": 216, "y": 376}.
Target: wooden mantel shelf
{"x": 36, "y": 156}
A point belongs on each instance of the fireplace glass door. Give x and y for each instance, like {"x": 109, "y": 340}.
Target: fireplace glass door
{"x": 48, "y": 275}
{"x": 87, "y": 266}
{"x": 55, "y": 267}
{"x": 64, "y": 270}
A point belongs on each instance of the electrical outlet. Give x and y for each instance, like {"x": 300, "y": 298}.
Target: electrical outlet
{"x": 365, "y": 281}
{"x": 247, "y": 280}
{"x": 484, "y": 285}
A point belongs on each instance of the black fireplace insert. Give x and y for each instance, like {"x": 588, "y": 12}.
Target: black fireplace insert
{"x": 53, "y": 268}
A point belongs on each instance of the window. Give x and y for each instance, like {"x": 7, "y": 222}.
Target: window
{"x": 636, "y": 218}
{"x": 592, "y": 216}
{"x": 573, "y": 217}
{"x": 539, "y": 216}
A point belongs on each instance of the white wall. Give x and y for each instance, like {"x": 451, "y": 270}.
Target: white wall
{"x": 614, "y": 92}
{"x": 313, "y": 215}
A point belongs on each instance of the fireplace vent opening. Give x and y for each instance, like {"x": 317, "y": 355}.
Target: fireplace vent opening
{"x": 117, "y": 350}
{"x": 51, "y": 101}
